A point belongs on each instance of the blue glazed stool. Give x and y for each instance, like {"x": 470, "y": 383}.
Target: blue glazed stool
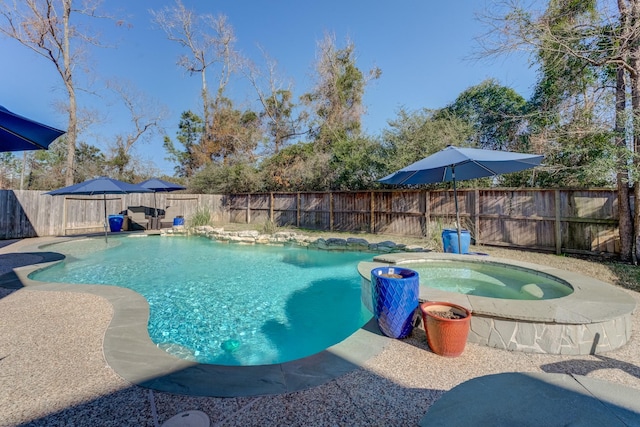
{"x": 394, "y": 299}
{"x": 450, "y": 241}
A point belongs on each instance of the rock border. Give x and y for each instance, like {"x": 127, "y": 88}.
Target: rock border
{"x": 254, "y": 237}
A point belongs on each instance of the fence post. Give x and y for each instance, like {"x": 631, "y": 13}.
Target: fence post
{"x": 372, "y": 207}
{"x": 476, "y": 215}
{"x": 427, "y": 214}
{"x": 298, "y": 209}
{"x": 248, "y": 208}
{"x": 331, "y": 211}
{"x": 271, "y": 206}
{"x": 558, "y": 226}
{"x": 64, "y": 216}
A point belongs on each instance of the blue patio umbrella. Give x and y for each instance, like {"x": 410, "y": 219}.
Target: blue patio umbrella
{"x": 18, "y": 133}
{"x": 102, "y": 185}
{"x": 156, "y": 184}
{"x": 455, "y": 164}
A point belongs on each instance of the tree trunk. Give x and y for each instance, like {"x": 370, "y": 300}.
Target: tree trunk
{"x": 71, "y": 137}
{"x": 72, "y": 130}
{"x": 634, "y": 62}
{"x": 625, "y": 226}
{"x": 205, "y": 96}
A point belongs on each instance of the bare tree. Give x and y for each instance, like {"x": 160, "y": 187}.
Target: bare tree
{"x": 9, "y": 169}
{"x": 47, "y": 28}
{"x": 146, "y": 117}
{"x": 209, "y": 41}
{"x": 337, "y": 96}
{"x": 276, "y": 99}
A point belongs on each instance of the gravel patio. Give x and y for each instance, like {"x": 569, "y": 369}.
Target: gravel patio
{"x": 53, "y": 371}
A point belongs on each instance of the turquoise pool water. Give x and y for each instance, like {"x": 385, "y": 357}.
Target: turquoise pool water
{"x": 488, "y": 280}
{"x": 226, "y": 304}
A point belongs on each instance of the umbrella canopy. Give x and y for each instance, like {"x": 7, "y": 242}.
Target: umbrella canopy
{"x": 102, "y": 185}
{"x": 156, "y": 184}
{"x": 19, "y": 133}
{"x": 454, "y": 163}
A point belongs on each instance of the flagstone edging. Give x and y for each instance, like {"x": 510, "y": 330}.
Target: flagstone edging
{"x": 254, "y": 237}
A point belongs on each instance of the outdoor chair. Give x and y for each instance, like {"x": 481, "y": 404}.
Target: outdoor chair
{"x": 138, "y": 217}
{"x": 170, "y": 213}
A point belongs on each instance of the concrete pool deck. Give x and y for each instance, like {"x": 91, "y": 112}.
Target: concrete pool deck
{"x": 54, "y": 370}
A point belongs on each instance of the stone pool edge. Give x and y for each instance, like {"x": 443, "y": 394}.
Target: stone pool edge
{"x": 129, "y": 351}
{"x": 594, "y": 319}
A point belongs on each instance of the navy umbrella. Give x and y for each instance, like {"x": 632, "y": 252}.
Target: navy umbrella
{"x": 156, "y": 184}
{"x": 18, "y": 133}
{"x": 454, "y": 163}
{"x": 102, "y": 185}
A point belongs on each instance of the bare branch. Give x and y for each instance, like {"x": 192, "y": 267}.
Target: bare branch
{"x": 275, "y": 97}
{"x": 209, "y": 41}
{"x": 146, "y": 114}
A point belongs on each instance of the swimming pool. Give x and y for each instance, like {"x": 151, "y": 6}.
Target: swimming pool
{"x": 222, "y": 304}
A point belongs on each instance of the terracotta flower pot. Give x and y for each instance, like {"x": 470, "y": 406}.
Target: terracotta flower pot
{"x": 447, "y": 327}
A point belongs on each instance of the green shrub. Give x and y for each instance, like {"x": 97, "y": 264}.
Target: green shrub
{"x": 201, "y": 217}
{"x": 434, "y": 236}
{"x": 269, "y": 227}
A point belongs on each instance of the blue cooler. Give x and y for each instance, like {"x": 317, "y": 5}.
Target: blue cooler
{"x": 394, "y": 299}
{"x": 450, "y": 241}
{"x": 115, "y": 222}
{"x": 178, "y": 221}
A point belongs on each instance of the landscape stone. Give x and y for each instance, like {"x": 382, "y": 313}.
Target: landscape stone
{"x": 287, "y": 237}
{"x": 335, "y": 241}
{"x": 387, "y": 243}
{"x": 353, "y": 241}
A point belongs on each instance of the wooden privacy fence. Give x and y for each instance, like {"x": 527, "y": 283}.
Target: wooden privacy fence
{"x": 571, "y": 221}
{"x": 29, "y": 213}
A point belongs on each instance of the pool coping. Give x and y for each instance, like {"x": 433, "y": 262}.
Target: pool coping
{"x": 594, "y": 318}
{"x": 129, "y": 351}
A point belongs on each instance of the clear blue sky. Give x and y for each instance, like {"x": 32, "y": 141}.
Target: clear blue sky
{"x": 421, "y": 47}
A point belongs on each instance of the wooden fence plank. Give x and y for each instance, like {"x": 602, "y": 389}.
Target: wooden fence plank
{"x": 558, "y": 223}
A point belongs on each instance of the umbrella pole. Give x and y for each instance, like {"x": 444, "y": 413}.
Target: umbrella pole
{"x": 105, "y": 217}
{"x": 455, "y": 199}
{"x": 155, "y": 206}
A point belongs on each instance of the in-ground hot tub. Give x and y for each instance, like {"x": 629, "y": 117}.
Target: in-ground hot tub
{"x": 594, "y": 317}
